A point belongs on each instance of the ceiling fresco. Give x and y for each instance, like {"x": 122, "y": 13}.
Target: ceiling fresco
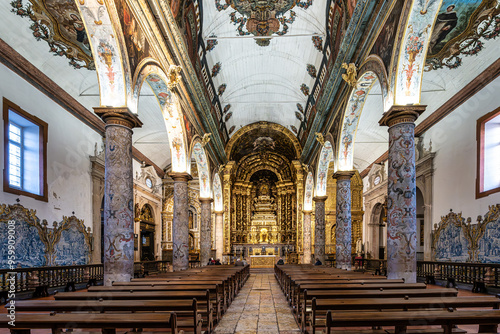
{"x": 58, "y": 22}
{"x": 262, "y": 18}
{"x": 462, "y": 28}
{"x": 135, "y": 39}
{"x": 385, "y": 41}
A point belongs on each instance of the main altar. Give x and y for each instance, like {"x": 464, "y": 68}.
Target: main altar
{"x": 264, "y": 234}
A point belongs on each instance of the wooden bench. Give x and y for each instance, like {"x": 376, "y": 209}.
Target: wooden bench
{"x": 487, "y": 319}
{"x": 183, "y": 308}
{"x": 108, "y": 322}
{"x": 203, "y": 297}
{"x": 216, "y": 293}
{"x": 304, "y": 304}
{"x": 319, "y": 307}
{"x": 332, "y": 286}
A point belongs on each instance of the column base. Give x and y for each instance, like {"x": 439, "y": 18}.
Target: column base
{"x": 110, "y": 278}
{"x": 408, "y": 277}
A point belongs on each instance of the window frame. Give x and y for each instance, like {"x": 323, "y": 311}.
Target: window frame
{"x": 480, "y": 129}
{"x": 43, "y": 138}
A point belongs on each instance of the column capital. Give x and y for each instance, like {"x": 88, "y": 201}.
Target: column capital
{"x": 219, "y": 212}
{"x": 207, "y": 200}
{"x": 401, "y": 114}
{"x": 176, "y": 176}
{"x": 343, "y": 174}
{"x": 307, "y": 212}
{"x": 118, "y": 116}
{"x": 320, "y": 198}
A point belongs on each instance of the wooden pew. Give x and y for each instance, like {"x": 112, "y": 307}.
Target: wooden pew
{"x": 216, "y": 294}
{"x": 229, "y": 284}
{"x": 183, "y": 308}
{"x": 108, "y": 322}
{"x": 487, "y": 319}
{"x": 203, "y": 298}
{"x": 303, "y": 304}
{"x": 319, "y": 307}
{"x": 296, "y": 292}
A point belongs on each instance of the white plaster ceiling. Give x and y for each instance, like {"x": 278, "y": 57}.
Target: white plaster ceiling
{"x": 263, "y": 82}
{"x": 438, "y": 87}
{"x": 82, "y": 84}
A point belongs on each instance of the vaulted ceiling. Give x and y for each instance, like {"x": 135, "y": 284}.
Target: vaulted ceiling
{"x": 264, "y": 59}
{"x": 264, "y": 49}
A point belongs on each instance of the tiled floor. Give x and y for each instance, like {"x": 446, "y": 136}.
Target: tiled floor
{"x": 259, "y": 308}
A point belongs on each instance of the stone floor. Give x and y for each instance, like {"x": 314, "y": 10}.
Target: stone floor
{"x": 259, "y": 308}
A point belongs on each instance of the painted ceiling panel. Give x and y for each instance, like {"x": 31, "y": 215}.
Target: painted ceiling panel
{"x": 263, "y": 82}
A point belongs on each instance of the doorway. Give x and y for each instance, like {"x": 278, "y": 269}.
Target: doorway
{"x": 147, "y": 245}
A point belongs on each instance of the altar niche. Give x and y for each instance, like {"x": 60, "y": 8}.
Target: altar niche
{"x": 263, "y": 215}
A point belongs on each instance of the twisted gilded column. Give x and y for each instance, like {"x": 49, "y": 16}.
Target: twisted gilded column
{"x": 180, "y": 222}
{"x": 118, "y": 194}
{"x": 401, "y": 192}
{"x": 205, "y": 233}
{"x": 219, "y": 234}
{"x": 307, "y": 237}
{"x": 343, "y": 220}
{"x": 319, "y": 228}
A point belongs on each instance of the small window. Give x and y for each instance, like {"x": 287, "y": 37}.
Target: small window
{"x": 25, "y": 144}
{"x": 488, "y": 148}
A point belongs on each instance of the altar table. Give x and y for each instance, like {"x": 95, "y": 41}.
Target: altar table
{"x": 263, "y": 261}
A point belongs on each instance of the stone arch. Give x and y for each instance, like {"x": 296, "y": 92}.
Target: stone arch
{"x": 200, "y": 156}
{"x": 379, "y": 230}
{"x": 309, "y": 192}
{"x": 355, "y": 104}
{"x": 373, "y": 63}
{"x": 171, "y": 110}
{"x": 324, "y": 159}
{"x": 413, "y": 50}
{"x": 271, "y": 126}
{"x": 217, "y": 192}
{"x": 109, "y": 53}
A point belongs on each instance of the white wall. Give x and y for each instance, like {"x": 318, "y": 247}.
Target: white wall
{"x": 70, "y": 143}
{"x": 454, "y": 141}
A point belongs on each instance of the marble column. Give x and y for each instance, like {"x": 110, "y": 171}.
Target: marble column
{"x": 401, "y": 192}
{"x": 219, "y": 234}
{"x": 319, "y": 228}
{"x": 205, "y": 232}
{"x": 343, "y": 220}
{"x": 180, "y": 222}
{"x": 307, "y": 237}
{"x": 118, "y": 194}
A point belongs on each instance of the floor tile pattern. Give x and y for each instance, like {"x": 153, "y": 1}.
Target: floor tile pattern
{"x": 259, "y": 308}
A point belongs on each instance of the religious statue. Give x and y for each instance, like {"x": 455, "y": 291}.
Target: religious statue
{"x": 359, "y": 246}
{"x": 174, "y": 77}
{"x": 350, "y": 76}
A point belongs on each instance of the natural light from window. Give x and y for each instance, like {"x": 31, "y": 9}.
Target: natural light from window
{"x": 24, "y": 154}
{"x": 491, "y": 172}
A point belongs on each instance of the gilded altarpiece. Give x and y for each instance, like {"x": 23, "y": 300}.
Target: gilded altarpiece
{"x": 356, "y": 211}
{"x": 261, "y": 193}
{"x": 300, "y": 201}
